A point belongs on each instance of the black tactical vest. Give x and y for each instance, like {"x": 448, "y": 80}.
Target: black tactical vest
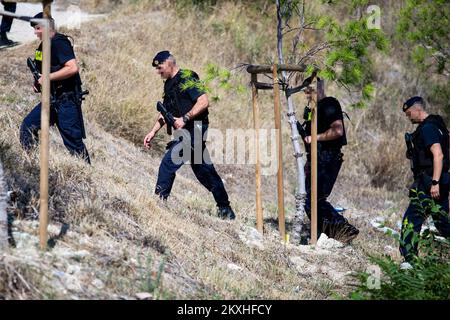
{"x": 422, "y": 157}
{"x": 57, "y": 87}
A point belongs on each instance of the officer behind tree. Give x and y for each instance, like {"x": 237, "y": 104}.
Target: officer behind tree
{"x": 189, "y": 106}
{"x": 331, "y": 137}
{"x": 6, "y": 24}
{"x": 65, "y": 110}
{"x": 428, "y": 149}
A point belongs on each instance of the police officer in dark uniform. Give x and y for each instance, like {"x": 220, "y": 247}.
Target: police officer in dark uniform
{"x": 331, "y": 138}
{"x": 428, "y": 150}
{"x": 66, "y": 95}
{"x": 189, "y": 106}
{"x": 6, "y": 24}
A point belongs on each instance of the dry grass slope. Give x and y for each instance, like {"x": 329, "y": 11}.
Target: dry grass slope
{"x": 124, "y": 233}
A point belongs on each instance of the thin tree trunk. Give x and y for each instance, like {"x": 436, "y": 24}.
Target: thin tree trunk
{"x": 300, "y": 193}
{"x": 3, "y": 214}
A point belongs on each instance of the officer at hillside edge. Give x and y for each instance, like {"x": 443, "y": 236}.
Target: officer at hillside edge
{"x": 428, "y": 151}
{"x": 189, "y": 105}
{"x": 66, "y": 95}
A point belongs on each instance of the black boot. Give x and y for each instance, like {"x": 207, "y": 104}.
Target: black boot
{"x": 226, "y": 213}
{"x": 341, "y": 230}
{"x": 4, "y": 41}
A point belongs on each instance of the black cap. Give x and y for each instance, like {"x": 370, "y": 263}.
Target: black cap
{"x": 40, "y": 15}
{"x": 160, "y": 58}
{"x": 411, "y": 101}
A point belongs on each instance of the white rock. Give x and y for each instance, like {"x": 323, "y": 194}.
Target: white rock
{"x": 53, "y": 229}
{"x": 328, "y": 243}
{"x": 144, "y": 296}
{"x": 233, "y": 266}
{"x": 333, "y": 274}
{"x": 302, "y": 265}
{"x": 378, "y": 224}
{"x": 73, "y": 284}
{"x": 58, "y": 273}
{"x": 98, "y": 284}
{"x": 252, "y": 238}
{"x": 406, "y": 266}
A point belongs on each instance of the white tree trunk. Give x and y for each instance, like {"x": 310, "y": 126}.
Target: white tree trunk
{"x": 300, "y": 194}
{"x": 3, "y": 213}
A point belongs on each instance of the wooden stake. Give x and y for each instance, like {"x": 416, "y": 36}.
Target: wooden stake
{"x": 276, "y": 95}
{"x": 281, "y": 67}
{"x": 46, "y": 8}
{"x": 45, "y": 125}
{"x": 314, "y": 164}
{"x": 259, "y": 210}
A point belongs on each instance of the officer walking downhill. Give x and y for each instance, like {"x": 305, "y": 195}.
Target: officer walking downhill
{"x": 331, "y": 138}
{"x": 66, "y": 95}
{"x": 6, "y": 24}
{"x": 189, "y": 106}
{"x": 428, "y": 150}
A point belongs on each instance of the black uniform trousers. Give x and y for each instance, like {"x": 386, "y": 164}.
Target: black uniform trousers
{"x": 418, "y": 211}
{"x": 201, "y": 165}
{"x": 7, "y": 21}
{"x": 64, "y": 113}
{"x": 328, "y": 167}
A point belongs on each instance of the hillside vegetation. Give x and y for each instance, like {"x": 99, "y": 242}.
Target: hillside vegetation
{"x": 122, "y": 239}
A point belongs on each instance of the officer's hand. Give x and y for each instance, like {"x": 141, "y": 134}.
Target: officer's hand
{"x": 435, "y": 192}
{"x": 36, "y": 90}
{"x": 179, "y": 123}
{"x": 308, "y": 139}
{"x": 148, "y": 139}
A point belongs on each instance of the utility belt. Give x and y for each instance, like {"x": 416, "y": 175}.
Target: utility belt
{"x": 325, "y": 154}
{"x": 69, "y": 95}
{"x": 423, "y": 179}
{"x": 419, "y": 173}
{"x": 58, "y": 97}
{"x": 76, "y": 97}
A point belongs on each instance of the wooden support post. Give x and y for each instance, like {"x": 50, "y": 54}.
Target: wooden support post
{"x": 279, "y": 142}
{"x": 45, "y": 126}
{"x": 46, "y": 8}
{"x": 281, "y": 67}
{"x": 314, "y": 164}
{"x": 256, "y": 124}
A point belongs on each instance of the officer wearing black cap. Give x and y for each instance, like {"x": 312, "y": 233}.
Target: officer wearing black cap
{"x": 428, "y": 150}
{"x": 66, "y": 95}
{"x": 189, "y": 105}
{"x": 6, "y": 24}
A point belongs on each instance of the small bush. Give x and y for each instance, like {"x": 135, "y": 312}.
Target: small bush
{"x": 429, "y": 279}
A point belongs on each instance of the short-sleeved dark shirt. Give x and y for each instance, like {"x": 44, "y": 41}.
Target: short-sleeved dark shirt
{"x": 430, "y": 135}
{"x": 180, "y": 100}
{"x": 61, "y": 52}
{"x": 328, "y": 111}
{"x": 430, "y": 131}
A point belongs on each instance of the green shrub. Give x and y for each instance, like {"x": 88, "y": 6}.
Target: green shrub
{"x": 429, "y": 279}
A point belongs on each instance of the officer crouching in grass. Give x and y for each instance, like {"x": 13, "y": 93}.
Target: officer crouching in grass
{"x": 189, "y": 106}
{"x": 66, "y": 95}
{"x": 428, "y": 150}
